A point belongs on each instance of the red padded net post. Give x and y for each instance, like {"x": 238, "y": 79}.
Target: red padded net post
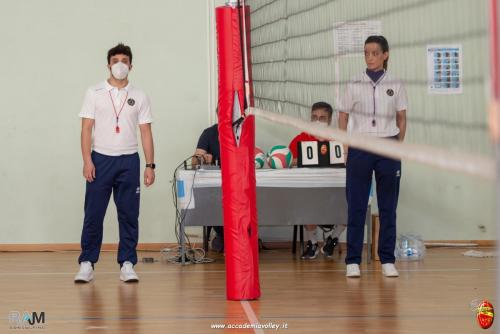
{"x": 238, "y": 167}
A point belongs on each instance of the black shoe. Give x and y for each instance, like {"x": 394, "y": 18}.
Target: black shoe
{"x": 329, "y": 246}
{"x": 311, "y": 251}
{"x": 218, "y": 243}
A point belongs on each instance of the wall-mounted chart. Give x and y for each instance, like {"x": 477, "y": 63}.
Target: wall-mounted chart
{"x": 444, "y": 67}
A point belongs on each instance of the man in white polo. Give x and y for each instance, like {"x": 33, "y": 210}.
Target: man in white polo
{"x": 111, "y": 112}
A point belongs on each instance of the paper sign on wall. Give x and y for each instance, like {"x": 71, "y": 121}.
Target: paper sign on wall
{"x": 349, "y": 37}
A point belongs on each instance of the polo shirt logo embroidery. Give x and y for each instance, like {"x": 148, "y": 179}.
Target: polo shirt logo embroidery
{"x": 390, "y": 92}
{"x": 131, "y": 102}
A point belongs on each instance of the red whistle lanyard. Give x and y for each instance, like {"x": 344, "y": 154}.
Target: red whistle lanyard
{"x": 117, "y": 114}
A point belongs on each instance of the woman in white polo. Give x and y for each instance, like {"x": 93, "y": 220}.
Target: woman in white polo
{"x": 374, "y": 104}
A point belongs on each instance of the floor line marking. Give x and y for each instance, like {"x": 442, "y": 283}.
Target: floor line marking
{"x": 252, "y": 317}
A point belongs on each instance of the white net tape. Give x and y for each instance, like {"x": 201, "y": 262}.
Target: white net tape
{"x": 471, "y": 164}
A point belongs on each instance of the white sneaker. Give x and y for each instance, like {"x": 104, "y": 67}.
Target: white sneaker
{"x": 86, "y": 273}
{"x": 127, "y": 273}
{"x": 389, "y": 270}
{"x": 352, "y": 270}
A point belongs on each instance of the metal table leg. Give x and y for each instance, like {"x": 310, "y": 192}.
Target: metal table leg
{"x": 294, "y": 244}
{"x": 301, "y": 239}
{"x": 206, "y": 234}
{"x": 181, "y": 239}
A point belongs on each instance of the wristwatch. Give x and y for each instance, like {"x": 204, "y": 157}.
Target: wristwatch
{"x": 152, "y": 165}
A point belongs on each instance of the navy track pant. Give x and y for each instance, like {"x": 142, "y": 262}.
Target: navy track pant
{"x": 360, "y": 168}
{"x": 119, "y": 175}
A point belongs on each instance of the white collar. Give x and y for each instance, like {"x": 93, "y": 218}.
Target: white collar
{"x": 110, "y": 88}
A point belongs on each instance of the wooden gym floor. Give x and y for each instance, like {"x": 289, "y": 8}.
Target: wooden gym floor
{"x": 309, "y": 297}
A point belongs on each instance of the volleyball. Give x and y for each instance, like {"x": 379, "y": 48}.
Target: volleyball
{"x": 260, "y": 158}
{"x": 279, "y": 157}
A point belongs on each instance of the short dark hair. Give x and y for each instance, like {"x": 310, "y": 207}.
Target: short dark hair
{"x": 120, "y": 49}
{"x": 382, "y": 41}
{"x": 323, "y": 105}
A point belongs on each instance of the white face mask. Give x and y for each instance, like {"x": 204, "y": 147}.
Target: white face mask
{"x": 119, "y": 70}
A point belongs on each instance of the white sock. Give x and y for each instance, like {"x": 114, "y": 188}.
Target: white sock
{"x": 325, "y": 232}
{"x": 311, "y": 235}
{"x": 338, "y": 230}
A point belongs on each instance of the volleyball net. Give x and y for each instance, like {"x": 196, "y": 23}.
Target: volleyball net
{"x": 307, "y": 51}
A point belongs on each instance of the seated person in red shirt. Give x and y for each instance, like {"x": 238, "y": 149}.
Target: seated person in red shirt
{"x": 321, "y": 113}
{"x": 208, "y": 153}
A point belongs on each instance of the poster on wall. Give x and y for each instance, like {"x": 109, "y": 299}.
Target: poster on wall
{"x": 444, "y": 68}
{"x": 349, "y": 37}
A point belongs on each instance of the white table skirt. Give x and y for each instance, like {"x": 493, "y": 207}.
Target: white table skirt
{"x": 281, "y": 178}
